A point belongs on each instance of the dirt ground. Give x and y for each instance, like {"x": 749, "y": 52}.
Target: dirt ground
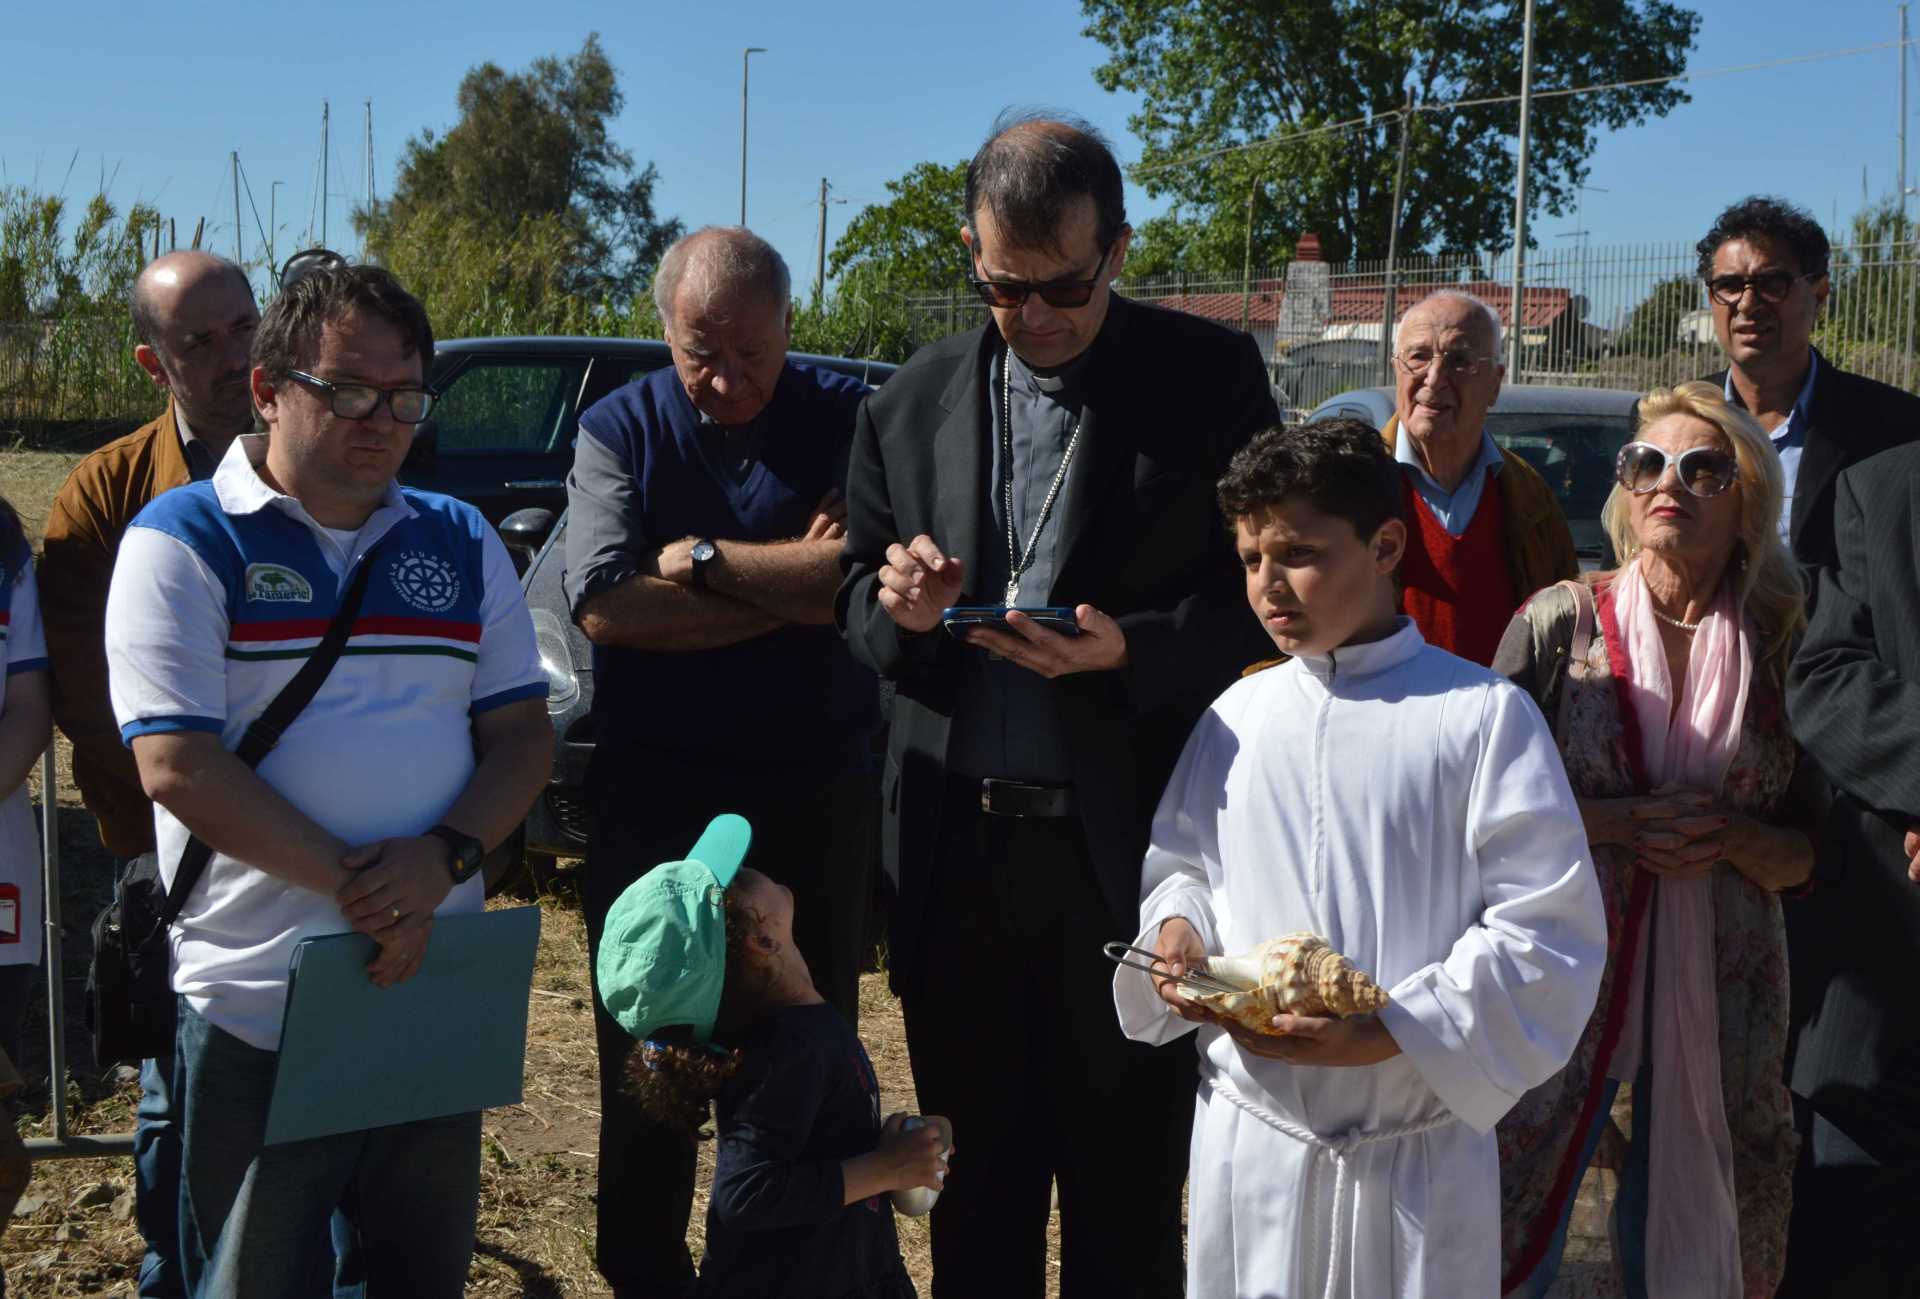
{"x": 73, "y": 1234}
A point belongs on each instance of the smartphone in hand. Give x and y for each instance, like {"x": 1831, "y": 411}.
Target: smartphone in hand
{"x": 959, "y": 618}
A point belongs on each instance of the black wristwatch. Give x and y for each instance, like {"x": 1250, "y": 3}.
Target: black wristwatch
{"x": 703, "y": 553}
{"x": 466, "y": 852}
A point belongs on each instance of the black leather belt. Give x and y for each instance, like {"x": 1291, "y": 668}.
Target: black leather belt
{"x": 1011, "y": 798}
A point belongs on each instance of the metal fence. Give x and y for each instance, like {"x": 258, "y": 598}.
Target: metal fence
{"x": 1593, "y": 316}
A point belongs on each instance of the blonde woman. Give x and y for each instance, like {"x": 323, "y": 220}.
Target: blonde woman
{"x": 1664, "y": 682}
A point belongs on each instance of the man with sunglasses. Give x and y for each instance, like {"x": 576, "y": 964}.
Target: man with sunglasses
{"x": 423, "y": 747}
{"x": 1483, "y": 529}
{"x": 1764, "y": 264}
{"x": 1065, "y": 454}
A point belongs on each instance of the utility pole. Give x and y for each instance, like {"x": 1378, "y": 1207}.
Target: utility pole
{"x": 744, "y": 56}
{"x": 326, "y": 109}
{"x": 1246, "y": 264}
{"x": 820, "y": 259}
{"x": 1390, "y": 311}
{"x": 238, "y": 259}
{"x": 1520, "y": 198}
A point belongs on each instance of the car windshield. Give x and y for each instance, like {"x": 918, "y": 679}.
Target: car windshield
{"x": 1574, "y": 452}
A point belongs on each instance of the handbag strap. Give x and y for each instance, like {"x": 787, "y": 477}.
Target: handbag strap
{"x": 1576, "y": 653}
{"x": 265, "y": 730}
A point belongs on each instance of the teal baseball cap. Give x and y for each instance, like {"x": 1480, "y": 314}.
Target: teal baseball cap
{"x": 663, "y": 950}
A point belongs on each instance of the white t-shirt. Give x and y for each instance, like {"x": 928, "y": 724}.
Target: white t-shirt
{"x": 221, "y": 592}
{"x": 23, "y": 649}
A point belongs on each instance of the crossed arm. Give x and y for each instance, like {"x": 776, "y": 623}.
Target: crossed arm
{"x": 751, "y": 588}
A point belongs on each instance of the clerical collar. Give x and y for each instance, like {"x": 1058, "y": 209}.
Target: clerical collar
{"x": 1345, "y": 662}
{"x": 1053, "y": 381}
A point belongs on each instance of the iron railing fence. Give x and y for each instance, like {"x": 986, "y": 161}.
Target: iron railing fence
{"x": 1630, "y": 316}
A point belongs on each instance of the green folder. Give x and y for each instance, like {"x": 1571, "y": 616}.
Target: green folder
{"x": 450, "y": 1040}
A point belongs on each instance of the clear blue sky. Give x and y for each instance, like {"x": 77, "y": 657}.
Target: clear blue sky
{"x": 154, "y": 97}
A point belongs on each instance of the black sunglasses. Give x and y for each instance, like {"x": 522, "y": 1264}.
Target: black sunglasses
{"x": 1055, "y": 293}
{"x": 1703, "y": 471}
{"x": 359, "y": 400}
{"x": 1770, "y": 287}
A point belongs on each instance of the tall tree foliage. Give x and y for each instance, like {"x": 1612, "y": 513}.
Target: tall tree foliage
{"x": 913, "y": 239}
{"x": 530, "y": 149}
{"x": 1223, "y": 72}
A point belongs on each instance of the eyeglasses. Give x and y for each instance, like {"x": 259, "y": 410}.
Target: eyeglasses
{"x": 1055, "y": 293}
{"x": 1770, "y": 287}
{"x": 1455, "y": 365}
{"x": 359, "y": 400}
{"x": 1703, "y": 471}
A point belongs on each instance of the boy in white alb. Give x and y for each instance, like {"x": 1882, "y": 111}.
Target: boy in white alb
{"x": 1409, "y": 807}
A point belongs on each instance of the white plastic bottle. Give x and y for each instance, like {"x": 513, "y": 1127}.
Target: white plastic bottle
{"x": 914, "y": 1201}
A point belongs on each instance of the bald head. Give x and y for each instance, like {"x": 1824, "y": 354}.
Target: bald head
{"x": 1035, "y": 171}
{"x": 195, "y": 315}
{"x": 163, "y": 281}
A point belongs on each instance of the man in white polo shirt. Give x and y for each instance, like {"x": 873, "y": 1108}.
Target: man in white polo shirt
{"x": 424, "y": 746}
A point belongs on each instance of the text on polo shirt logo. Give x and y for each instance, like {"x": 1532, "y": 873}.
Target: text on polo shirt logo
{"x": 425, "y": 581}
{"x": 277, "y": 584}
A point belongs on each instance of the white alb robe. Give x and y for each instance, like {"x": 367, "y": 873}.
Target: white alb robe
{"x": 1409, "y": 807}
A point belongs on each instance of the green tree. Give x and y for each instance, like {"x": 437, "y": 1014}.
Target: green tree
{"x": 1654, "y": 326}
{"x": 1215, "y": 73}
{"x": 531, "y": 147}
{"x": 912, "y": 241}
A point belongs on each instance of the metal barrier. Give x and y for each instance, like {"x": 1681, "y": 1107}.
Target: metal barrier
{"x": 63, "y": 1144}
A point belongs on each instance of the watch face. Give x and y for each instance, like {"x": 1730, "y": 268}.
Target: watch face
{"x": 704, "y": 551}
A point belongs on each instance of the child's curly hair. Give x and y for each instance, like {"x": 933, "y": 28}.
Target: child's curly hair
{"x": 674, "y": 1078}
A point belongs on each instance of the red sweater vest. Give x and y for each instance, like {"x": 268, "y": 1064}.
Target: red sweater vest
{"x": 1459, "y": 590}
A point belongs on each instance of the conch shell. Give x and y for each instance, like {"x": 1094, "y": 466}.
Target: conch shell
{"x": 1295, "y": 974}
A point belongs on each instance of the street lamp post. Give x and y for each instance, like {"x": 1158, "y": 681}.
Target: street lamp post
{"x": 745, "y": 54}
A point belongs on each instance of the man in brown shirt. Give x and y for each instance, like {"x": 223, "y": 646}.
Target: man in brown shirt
{"x": 194, "y": 314}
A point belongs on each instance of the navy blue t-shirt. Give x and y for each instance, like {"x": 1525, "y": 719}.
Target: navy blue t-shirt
{"x": 804, "y": 1100}
{"x": 791, "y": 696}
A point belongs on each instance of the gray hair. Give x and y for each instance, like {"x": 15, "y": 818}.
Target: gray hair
{"x": 726, "y": 260}
{"x": 1491, "y": 316}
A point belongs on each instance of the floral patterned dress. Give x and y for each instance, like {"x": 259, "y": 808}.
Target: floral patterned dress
{"x": 1540, "y": 1139}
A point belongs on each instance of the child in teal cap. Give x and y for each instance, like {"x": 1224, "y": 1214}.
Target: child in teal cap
{"x": 698, "y": 962}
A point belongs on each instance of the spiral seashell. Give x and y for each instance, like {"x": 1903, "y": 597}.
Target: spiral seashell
{"x": 1295, "y": 974}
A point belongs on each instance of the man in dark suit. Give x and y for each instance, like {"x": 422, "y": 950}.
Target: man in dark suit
{"x": 1854, "y": 698}
{"x": 1765, "y": 266}
{"x": 1065, "y": 454}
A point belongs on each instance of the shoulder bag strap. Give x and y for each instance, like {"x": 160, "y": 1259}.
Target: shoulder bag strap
{"x": 1576, "y": 653}
{"x": 266, "y": 729}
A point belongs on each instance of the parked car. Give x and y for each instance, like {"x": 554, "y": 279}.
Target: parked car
{"x": 1309, "y": 374}
{"x": 501, "y": 435}
{"x": 561, "y": 819}
{"x": 1571, "y": 435}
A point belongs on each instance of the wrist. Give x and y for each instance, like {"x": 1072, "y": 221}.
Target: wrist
{"x": 462, "y": 853}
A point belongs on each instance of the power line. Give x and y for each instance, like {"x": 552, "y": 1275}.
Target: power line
{"x": 1391, "y": 115}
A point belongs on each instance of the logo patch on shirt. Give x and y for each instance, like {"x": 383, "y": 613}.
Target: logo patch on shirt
{"x": 426, "y": 582}
{"x": 277, "y": 584}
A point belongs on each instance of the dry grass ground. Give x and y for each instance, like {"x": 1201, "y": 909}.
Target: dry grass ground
{"x": 73, "y": 1234}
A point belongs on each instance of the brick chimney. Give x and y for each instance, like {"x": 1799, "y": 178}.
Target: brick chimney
{"x": 1308, "y": 248}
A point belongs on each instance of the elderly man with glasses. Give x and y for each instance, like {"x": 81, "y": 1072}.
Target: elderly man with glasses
{"x": 1765, "y": 267}
{"x": 1484, "y": 531}
{"x": 1064, "y": 454}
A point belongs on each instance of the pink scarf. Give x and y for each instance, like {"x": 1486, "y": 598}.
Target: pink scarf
{"x": 1693, "y": 1230}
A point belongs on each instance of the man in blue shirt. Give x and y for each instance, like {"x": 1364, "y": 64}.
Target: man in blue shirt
{"x": 703, "y": 545}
